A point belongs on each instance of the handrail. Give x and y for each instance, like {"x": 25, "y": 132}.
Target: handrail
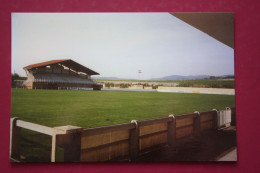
{"x": 35, "y": 127}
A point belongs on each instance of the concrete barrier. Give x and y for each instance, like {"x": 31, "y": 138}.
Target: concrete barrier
{"x": 197, "y": 90}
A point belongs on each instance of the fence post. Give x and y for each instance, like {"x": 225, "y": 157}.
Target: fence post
{"x": 172, "y": 131}
{"x": 68, "y": 138}
{"x": 228, "y": 116}
{"x": 15, "y": 138}
{"x": 215, "y": 119}
{"x": 134, "y": 141}
{"x": 233, "y": 116}
{"x": 196, "y": 125}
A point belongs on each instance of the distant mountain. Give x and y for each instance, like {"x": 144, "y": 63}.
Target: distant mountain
{"x": 226, "y": 76}
{"x": 179, "y": 77}
{"x": 172, "y": 77}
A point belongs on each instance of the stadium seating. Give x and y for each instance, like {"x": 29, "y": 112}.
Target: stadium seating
{"x": 61, "y": 78}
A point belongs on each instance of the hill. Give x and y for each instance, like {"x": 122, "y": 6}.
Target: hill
{"x": 172, "y": 77}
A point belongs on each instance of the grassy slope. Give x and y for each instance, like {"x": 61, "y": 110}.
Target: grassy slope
{"x": 99, "y": 108}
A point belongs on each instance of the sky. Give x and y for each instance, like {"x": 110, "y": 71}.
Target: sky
{"x": 119, "y": 44}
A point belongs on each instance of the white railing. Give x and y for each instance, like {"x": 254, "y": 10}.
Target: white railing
{"x": 224, "y": 118}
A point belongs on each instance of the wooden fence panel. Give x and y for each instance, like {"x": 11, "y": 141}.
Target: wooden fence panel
{"x": 206, "y": 126}
{"x": 207, "y": 120}
{"x": 153, "y": 140}
{"x": 119, "y": 150}
{"x": 95, "y": 155}
{"x": 153, "y": 133}
{"x": 186, "y": 127}
{"x": 106, "y": 152}
{"x": 184, "y": 132}
{"x": 145, "y": 130}
{"x": 106, "y": 144}
{"x": 184, "y": 122}
{"x": 103, "y": 139}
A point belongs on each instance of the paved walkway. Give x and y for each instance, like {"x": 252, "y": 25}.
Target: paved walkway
{"x": 230, "y": 156}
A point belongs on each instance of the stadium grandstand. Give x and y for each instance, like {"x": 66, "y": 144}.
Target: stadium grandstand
{"x": 59, "y": 74}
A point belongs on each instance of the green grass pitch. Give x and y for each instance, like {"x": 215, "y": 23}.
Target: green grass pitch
{"x": 100, "y": 108}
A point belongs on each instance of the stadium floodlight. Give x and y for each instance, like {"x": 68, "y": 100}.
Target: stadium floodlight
{"x": 139, "y": 74}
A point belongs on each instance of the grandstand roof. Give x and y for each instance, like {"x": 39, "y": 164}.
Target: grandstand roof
{"x": 66, "y": 62}
{"x": 217, "y": 25}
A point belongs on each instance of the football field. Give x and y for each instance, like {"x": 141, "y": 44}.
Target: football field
{"x": 100, "y": 108}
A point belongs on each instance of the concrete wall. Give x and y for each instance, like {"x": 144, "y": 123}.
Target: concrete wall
{"x": 136, "y": 87}
{"x": 197, "y": 90}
